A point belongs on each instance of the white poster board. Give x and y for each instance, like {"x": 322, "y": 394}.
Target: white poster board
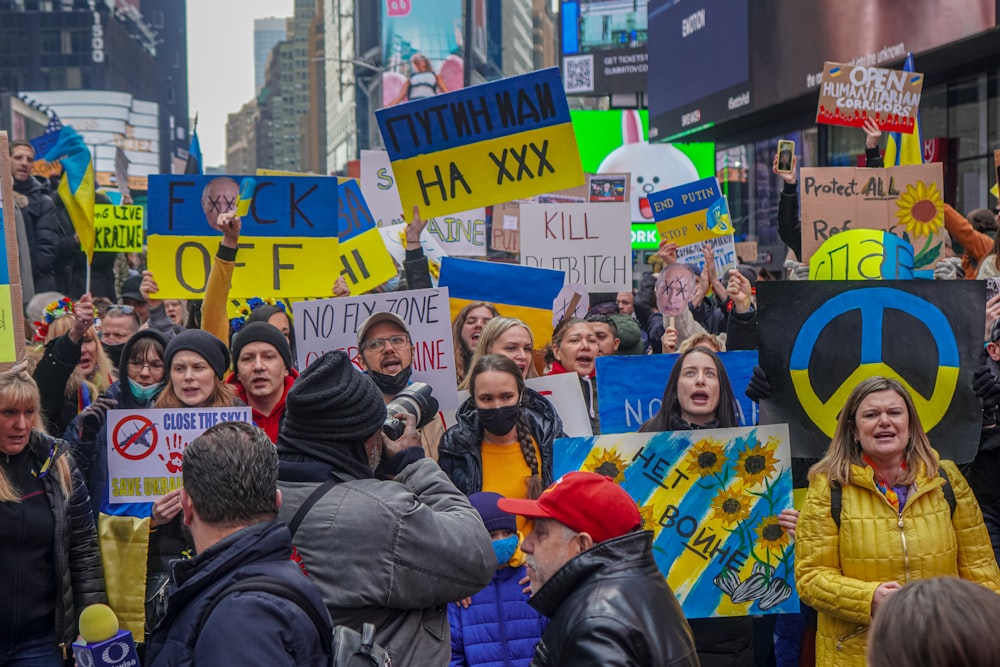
{"x": 591, "y": 243}
{"x": 323, "y": 325}
{"x": 146, "y": 448}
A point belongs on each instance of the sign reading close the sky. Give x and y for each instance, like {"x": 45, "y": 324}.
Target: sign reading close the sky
{"x": 480, "y": 146}
{"x": 851, "y": 94}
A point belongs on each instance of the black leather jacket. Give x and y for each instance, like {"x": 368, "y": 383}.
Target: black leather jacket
{"x": 460, "y": 454}
{"x": 611, "y": 606}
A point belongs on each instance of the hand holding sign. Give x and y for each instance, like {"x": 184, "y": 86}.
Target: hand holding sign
{"x": 148, "y": 287}
{"x": 872, "y": 133}
{"x": 739, "y": 291}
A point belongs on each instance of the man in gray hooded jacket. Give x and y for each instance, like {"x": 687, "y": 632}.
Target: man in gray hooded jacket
{"x": 393, "y": 553}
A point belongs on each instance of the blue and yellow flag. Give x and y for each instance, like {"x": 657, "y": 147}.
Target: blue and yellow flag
{"x": 905, "y": 148}
{"x": 76, "y": 189}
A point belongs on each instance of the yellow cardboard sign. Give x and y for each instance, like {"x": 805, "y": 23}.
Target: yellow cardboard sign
{"x": 118, "y": 228}
{"x": 365, "y": 262}
{"x": 265, "y": 266}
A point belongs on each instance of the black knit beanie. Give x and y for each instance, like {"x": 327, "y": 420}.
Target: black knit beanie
{"x": 201, "y": 342}
{"x": 331, "y": 403}
{"x": 262, "y": 332}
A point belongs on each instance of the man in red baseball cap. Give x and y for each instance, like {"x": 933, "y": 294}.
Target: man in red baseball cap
{"x": 592, "y": 572}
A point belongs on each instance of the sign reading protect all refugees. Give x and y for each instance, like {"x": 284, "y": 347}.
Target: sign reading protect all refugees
{"x": 851, "y": 94}
{"x": 907, "y": 201}
{"x": 480, "y": 146}
{"x": 693, "y": 214}
{"x": 590, "y": 243}
{"x": 146, "y": 448}
{"x": 117, "y": 228}
{"x": 712, "y": 499}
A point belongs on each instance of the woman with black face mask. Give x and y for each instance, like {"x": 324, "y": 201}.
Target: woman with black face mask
{"x": 503, "y": 439}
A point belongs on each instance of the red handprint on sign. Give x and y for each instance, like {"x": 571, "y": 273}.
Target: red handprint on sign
{"x": 175, "y": 457}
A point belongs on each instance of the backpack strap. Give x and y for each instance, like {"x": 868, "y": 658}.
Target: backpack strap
{"x": 836, "y": 502}
{"x": 276, "y": 587}
{"x": 318, "y": 493}
{"x": 948, "y": 490}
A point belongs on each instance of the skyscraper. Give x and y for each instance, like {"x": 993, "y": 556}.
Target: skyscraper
{"x": 266, "y": 33}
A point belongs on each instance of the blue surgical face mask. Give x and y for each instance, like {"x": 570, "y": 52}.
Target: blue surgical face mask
{"x": 505, "y": 549}
{"x": 144, "y": 394}
{"x": 392, "y": 284}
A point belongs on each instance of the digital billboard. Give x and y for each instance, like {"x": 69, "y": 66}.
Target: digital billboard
{"x": 603, "y": 46}
{"x": 421, "y": 49}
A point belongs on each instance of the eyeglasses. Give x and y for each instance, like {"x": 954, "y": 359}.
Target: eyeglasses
{"x": 153, "y": 366}
{"x": 121, "y": 308}
{"x": 377, "y": 344}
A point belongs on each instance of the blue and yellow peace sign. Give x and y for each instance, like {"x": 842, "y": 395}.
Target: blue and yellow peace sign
{"x": 872, "y": 303}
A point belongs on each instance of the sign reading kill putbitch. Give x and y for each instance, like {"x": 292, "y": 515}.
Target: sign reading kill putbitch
{"x": 851, "y": 94}
{"x": 483, "y": 145}
{"x": 712, "y": 499}
{"x": 324, "y": 325}
{"x": 819, "y": 339}
{"x": 146, "y": 448}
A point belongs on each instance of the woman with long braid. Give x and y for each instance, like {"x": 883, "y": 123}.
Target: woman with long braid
{"x": 503, "y": 439}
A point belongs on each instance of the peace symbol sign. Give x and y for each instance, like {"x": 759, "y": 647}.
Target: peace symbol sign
{"x": 872, "y": 304}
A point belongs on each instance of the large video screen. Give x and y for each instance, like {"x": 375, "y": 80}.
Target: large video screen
{"x": 421, "y": 49}
{"x": 603, "y": 46}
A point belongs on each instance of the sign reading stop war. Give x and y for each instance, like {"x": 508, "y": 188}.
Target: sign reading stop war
{"x": 117, "y": 228}
{"x": 146, "y": 448}
{"x": 332, "y": 324}
{"x": 591, "y": 243}
{"x": 850, "y": 94}
{"x": 478, "y": 146}
{"x": 819, "y": 339}
{"x": 907, "y": 201}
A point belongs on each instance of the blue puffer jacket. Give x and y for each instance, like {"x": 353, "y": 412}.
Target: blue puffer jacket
{"x": 499, "y": 629}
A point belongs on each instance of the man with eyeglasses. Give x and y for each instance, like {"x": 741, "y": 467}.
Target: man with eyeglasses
{"x": 386, "y": 353}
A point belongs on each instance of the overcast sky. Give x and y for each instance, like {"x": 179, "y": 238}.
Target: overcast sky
{"x": 220, "y": 64}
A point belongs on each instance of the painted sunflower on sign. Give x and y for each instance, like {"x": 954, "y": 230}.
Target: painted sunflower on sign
{"x": 921, "y": 209}
{"x": 757, "y": 463}
{"x": 607, "y": 463}
{"x": 731, "y": 506}
{"x": 771, "y": 535}
{"x": 648, "y": 515}
{"x": 706, "y": 458}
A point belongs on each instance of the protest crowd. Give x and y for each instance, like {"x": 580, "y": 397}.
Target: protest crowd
{"x": 413, "y": 466}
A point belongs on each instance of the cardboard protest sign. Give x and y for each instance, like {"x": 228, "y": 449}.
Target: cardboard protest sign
{"x": 462, "y": 233}
{"x": 332, "y": 324}
{"x": 364, "y": 261}
{"x": 517, "y": 291}
{"x": 394, "y": 238}
{"x": 480, "y": 146}
{"x": 906, "y": 201}
{"x": 712, "y": 499}
{"x": 11, "y": 313}
{"x": 630, "y": 389}
{"x": 286, "y": 243}
{"x": 862, "y": 254}
{"x": 693, "y": 214}
{"x": 118, "y": 228}
{"x": 146, "y": 448}
{"x": 564, "y": 393}
{"x": 818, "y": 340}
{"x": 506, "y": 235}
{"x": 850, "y": 94}
{"x": 589, "y": 242}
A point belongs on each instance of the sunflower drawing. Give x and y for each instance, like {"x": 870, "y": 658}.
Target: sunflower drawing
{"x": 731, "y": 506}
{"x": 757, "y": 463}
{"x": 771, "y": 535}
{"x": 647, "y": 512}
{"x": 706, "y": 458}
{"x": 607, "y": 463}
{"x": 921, "y": 209}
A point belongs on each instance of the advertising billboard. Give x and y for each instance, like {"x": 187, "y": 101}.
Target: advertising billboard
{"x": 421, "y": 49}
{"x": 603, "y": 46}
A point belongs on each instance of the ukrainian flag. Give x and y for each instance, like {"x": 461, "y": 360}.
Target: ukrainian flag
{"x": 905, "y": 148}
{"x": 524, "y": 292}
{"x": 76, "y": 189}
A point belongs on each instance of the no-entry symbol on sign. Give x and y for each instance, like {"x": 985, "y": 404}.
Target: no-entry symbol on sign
{"x": 134, "y": 437}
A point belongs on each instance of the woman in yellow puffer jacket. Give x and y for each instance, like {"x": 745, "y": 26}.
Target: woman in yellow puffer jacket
{"x": 896, "y": 520}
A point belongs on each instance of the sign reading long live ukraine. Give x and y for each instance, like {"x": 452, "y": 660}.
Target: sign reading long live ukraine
{"x": 483, "y": 145}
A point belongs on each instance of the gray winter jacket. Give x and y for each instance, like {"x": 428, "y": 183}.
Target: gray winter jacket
{"x": 391, "y": 553}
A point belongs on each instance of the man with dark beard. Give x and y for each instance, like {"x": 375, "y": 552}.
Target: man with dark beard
{"x": 386, "y": 352}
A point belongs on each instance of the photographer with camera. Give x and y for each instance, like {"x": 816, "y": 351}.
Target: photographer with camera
{"x": 386, "y": 351}
{"x": 391, "y": 553}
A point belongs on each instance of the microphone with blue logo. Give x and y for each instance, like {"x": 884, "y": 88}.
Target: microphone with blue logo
{"x": 104, "y": 644}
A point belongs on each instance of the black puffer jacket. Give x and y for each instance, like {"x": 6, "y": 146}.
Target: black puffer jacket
{"x": 611, "y": 605}
{"x": 42, "y": 228}
{"x": 460, "y": 455}
{"x": 78, "y": 572}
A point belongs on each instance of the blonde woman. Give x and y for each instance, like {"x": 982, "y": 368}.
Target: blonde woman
{"x": 50, "y": 541}
{"x": 510, "y": 337}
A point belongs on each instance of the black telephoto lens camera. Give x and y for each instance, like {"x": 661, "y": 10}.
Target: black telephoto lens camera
{"x": 415, "y": 400}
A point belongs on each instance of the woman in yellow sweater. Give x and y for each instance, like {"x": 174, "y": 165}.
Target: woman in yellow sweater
{"x": 882, "y": 510}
